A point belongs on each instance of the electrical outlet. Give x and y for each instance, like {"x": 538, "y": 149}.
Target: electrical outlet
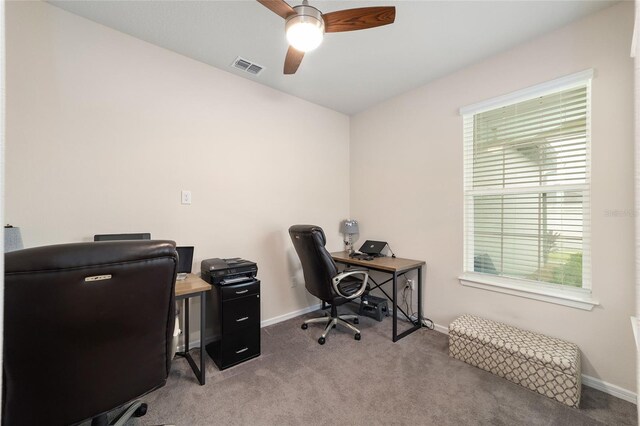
{"x": 412, "y": 284}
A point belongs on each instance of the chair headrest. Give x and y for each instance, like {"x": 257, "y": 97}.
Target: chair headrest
{"x": 78, "y": 255}
{"x": 308, "y": 230}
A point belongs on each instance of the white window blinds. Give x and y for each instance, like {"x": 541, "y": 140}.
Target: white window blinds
{"x": 526, "y": 174}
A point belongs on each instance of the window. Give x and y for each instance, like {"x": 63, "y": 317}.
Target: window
{"x": 526, "y": 174}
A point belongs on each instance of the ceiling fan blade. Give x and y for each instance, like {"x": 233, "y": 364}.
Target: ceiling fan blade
{"x": 292, "y": 61}
{"x": 279, "y": 7}
{"x": 358, "y": 19}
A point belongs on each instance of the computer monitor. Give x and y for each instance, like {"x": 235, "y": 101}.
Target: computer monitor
{"x": 120, "y": 237}
{"x": 185, "y": 259}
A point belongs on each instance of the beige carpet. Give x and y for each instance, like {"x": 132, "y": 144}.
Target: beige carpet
{"x": 374, "y": 381}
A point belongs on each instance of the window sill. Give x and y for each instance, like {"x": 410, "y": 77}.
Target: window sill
{"x": 572, "y": 297}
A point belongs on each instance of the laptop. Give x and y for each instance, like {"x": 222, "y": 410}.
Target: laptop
{"x": 185, "y": 261}
{"x": 373, "y": 248}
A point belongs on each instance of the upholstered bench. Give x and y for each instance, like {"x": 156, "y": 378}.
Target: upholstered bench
{"x": 540, "y": 363}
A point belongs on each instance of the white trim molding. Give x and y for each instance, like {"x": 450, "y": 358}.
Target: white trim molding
{"x": 542, "y": 89}
{"x": 572, "y": 297}
{"x": 491, "y": 222}
{"x": 610, "y": 389}
{"x": 290, "y": 315}
{"x": 444, "y": 329}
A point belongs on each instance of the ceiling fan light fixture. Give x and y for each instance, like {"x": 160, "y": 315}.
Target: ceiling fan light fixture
{"x": 305, "y": 30}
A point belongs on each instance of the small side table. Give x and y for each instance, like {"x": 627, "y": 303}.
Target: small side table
{"x": 193, "y": 286}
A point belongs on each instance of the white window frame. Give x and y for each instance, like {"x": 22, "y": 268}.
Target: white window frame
{"x": 580, "y": 298}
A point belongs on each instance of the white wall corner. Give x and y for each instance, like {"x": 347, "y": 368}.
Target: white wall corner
{"x": 636, "y": 29}
{"x": 2, "y": 168}
{"x": 634, "y": 54}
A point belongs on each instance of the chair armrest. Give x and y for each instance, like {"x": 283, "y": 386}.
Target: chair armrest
{"x": 336, "y": 280}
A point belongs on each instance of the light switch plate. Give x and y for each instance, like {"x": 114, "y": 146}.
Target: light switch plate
{"x": 185, "y": 196}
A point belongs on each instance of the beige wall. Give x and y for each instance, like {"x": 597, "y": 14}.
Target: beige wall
{"x": 412, "y": 146}
{"x": 104, "y": 130}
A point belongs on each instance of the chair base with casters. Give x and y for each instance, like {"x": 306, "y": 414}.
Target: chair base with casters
{"x": 331, "y": 321}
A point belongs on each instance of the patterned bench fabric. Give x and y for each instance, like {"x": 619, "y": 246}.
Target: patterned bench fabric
{"x": 540, "y": 363}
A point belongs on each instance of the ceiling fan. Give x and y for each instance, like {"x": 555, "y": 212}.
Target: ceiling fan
{"x": 306, "y": 25}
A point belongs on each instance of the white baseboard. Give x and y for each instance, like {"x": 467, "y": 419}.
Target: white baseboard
{"x": 264, "y": 323}
{"x": 441, "y": 328}
{"x": 290, "y": 315}
{"x": 592, "y": 382}
{"x": 609, "y": 388}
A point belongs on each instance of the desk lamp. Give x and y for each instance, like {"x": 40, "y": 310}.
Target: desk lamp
{"x": 349, "y": 228}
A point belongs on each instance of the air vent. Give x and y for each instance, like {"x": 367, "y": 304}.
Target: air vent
{"x": 247, "y": 66}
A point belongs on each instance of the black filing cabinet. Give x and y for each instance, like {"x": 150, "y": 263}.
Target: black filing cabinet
{"x": 238, "y": 311}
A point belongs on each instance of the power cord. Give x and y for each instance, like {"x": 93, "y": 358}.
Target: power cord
{"x": 413, "y": 316}
{"x": 392, "y": 253}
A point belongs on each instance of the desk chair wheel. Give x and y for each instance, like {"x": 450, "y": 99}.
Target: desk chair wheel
{"x": 304, "y": 326}
{"x": 357, "y": 336}
{"x": 141, "y": 410}
{"x": 356, "y": 321}
{"x": 321, "y": 340}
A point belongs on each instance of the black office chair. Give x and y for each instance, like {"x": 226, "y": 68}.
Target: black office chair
{"x": 88, "y": 327}
{"x": 323, "y": 280}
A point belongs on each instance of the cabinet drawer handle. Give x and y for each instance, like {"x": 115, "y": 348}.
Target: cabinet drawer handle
{"x": 242, "y": 350}
{"x": 241, "y": 292}
{"x": 242, "y": 319}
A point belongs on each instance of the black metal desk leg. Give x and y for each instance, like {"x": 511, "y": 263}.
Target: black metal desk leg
{"x": 186, "y": 324}
{"x": 395, "y": 306}
{"x": 199, "y": 372}
{"x": 203, "y": 301}
{"x": 420, "y": 296}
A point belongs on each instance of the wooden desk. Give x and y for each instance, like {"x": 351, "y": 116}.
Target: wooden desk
{"x": 396, "y": 267}
{"x": 193, "y": 286}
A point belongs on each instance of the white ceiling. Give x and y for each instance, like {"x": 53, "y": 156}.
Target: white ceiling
{"x": 350, "y": 71}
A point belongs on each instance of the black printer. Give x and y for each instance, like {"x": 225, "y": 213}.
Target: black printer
{"x": 228, "y": 271}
